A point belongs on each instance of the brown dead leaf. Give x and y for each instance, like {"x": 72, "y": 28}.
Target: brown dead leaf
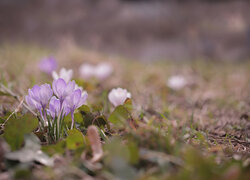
{"x": 95, "y": 143}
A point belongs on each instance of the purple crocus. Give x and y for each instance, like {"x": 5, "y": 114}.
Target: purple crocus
{"x": 55, "y": 108}
{"x": 33, "y": 99}
{"x": 62, "y": 89}
{"x": 74, "y": 101}
{"x": 48, "y": 65}
{"x": 38, "y": 98}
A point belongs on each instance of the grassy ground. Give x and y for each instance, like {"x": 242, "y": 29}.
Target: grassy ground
{"x": 199, "y": 132}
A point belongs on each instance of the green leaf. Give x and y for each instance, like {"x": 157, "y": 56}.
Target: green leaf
{"x": 58, "y": 148}
{"x": 133, "y": 152}
{"x": 117, "y": 159}
{"x": 74, "y": 140}
{"x": 86, "y": 115}
{"x": 16, "y": 127}
{"x": 116, "y": 148}
{"x": 128, "y": 104}
{"x": 68, "y": 120}
{"x": 101, "y": 121}
{"x": 88, "y": 119}
{"x": 84, "y": 108}
{"x": 78, "y": 118}
{"x": 3, "y": 118}
{"x": 97, "y": 107}
{"x": 119, "y": 116}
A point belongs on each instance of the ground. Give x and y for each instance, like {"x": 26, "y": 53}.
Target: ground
{"x": 199, "y": 132}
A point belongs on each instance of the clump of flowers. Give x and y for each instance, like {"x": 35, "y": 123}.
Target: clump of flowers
{"x": 118, "y": 96}
{"x": 54, "y": 104}
{"x": 100, "y": 71}
{"x": 48, "y": 65}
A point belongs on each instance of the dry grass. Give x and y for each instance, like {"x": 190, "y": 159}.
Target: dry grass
{"x": 214, "y": 106}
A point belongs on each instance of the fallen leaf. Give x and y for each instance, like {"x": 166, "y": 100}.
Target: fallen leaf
{"x": 95, "y": 143}
{"x": 30, "y": 152}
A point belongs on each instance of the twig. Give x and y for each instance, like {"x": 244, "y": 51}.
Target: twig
{"x": 17, "y": 98}
{"x": 15, "y": 111}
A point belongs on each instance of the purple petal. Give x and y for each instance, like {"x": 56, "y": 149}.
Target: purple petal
{"x": 45, "y": 94}
{"x": 30, "y": 102}
{"x": 66, "y": 109}
{"x": 76, "y": 97}
{"x": 59, "y": 86}
{"x": 83, "y": 99}
{"x": 54, "y": 106}
{"x": 33, "y": 104}
{"x": 34, "y": 92}
{"x": 70, "y": 88}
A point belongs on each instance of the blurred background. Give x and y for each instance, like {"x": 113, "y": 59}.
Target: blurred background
{"x": 147, "y": 30}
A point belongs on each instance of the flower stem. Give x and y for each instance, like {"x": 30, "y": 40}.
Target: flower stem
{"x": 58, "y": 125}
{"x": 73, "y": 121}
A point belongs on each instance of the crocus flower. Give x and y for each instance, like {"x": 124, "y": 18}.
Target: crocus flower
{"x": 39, "y": 96}
{"x": 63, "y": 89}
{"x": 118, "y": 96}
{"x": 32, "y": 103}
{"x": 48, "y": 65}
{"x": 64, "y": 74}
{"x": 55, "y": 108}
{"x": 103, "y": 70}
{"x": 176, "y": 82}
{"x": 74, "y": 101}
{"x": 87, "y": 71}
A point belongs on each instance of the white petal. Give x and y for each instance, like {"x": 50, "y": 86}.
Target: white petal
{"x": 118, "y": 96}
{"x": 55, "y": 75}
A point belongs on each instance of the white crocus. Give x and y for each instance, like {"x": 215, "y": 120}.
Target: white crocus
{"x": 103, "y": 70}
{"x": 118, "y": 96}
{"x": 66, "y": 75}
{"x": 87, "y": 71}
{"x": 176, "y": 82}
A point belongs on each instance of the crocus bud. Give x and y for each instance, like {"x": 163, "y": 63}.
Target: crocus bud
{"x": 176, "y": 82}
{"x": 118, "y": 96}
{"x": 48, "y": 65}
{"x": 87, "y": 71}
{"x": 64, "y": 74}
{"x": 103, "y": 70}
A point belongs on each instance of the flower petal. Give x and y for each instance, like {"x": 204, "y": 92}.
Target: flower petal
{"x": 59, "y": 86}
